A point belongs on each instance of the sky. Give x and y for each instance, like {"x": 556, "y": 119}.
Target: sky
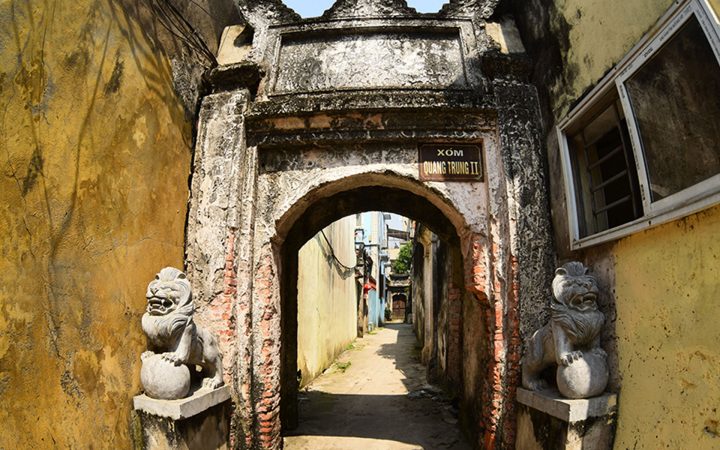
{"x": 315, "y": 8}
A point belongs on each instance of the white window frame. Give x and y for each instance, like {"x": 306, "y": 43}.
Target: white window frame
{"x": 687, "y": 201}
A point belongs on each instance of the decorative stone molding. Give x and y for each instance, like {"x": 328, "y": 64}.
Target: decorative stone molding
{"x": 368, "y": 8}
{"x": 261, "y": 13}
{"x": 477, "y": 9}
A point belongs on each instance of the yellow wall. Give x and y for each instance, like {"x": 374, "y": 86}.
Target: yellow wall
{"x": 667, "y": 291}
{"x": 94, "y": 159}
{"x": 666, "y": 279}
{"x": 600, "y": 33}
{"x": 327, "y": 299}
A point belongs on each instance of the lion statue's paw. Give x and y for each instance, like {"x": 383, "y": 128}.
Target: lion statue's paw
{"x": 570, "y": 357}
{"x": 211, "y": 383}
{"x": 172, "y": 357}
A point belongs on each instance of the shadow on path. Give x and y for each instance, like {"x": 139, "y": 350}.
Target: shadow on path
{"x": 380, "y": 402}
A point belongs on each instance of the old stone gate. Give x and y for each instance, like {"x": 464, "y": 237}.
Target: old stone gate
{"x": 312, "y": 120}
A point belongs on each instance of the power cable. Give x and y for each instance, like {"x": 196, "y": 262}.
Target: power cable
{"x": 180, "y": 28}
{"x": 332, "y": 253}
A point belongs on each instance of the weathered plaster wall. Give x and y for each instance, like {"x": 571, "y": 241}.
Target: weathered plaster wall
{"x": 93, "y": 187}
{"x": 666, "y": 294}
{"x": 590, "y": 37}
{"x": 189, "y": 31}
{"x": 656, "y": 285}
{"x": 327, "y": 298}
{"x": 423, "y": 293}
{"x": 617, "y": 24}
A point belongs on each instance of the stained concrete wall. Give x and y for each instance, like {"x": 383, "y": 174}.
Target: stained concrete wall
{"x": 96, "y": 149}
{"x": 657, "y": 285}
{"x": 667, "y": 325}
{"x": 327, "y": 298}
{"x": 575, "y": 43}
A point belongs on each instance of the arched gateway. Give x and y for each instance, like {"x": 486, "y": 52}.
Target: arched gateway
{"x": 313, "y": 120}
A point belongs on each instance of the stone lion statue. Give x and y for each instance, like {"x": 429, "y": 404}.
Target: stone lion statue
{"x": 174, "y": 338}
{"x": 571, "y": 339}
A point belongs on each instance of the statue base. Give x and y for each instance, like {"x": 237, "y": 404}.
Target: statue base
{"x": 200, "y": 421}
{"x": 545, "y": 420}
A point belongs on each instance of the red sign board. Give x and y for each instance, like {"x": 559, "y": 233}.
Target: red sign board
{"x": 450, "y": 162}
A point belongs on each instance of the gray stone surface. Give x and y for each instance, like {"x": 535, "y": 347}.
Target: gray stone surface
{"x": 162, "y": 379}
{"x": 174, "y": 339}
{"x": 571, "y": 340}
{"x": 371, "y": 60}
{"x": 179, "y": 409}
{"x": 368, "y": 8}
{"x": 547, "y": 422}
{"x": 585, "y": 377}
{"x": 568, "y": 410}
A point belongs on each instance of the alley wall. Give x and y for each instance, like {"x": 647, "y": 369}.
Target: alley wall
{"x": 447, "y": 322}
{"x": 96, "y": 149}
{"x": 327, "y": 298}
{"x": 667, "y": 326}
{"x": 659, "y": 285}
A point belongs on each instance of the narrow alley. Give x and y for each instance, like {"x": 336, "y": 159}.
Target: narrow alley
{"x": 375, "y": 398}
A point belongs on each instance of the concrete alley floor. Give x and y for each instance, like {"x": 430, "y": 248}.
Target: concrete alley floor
{"x": 375, "y": 398}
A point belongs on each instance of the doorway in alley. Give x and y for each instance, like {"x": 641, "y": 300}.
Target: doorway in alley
{"x": 400, "y": 384}
{"x": 445, "y": 344}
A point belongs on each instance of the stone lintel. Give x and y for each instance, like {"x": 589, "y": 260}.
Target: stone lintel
{"x": 184, "y": 408}
{"x": 267, "y": 127}
{"x": 569, "y": 410}
{"x": 235, "y": 76}
{"x": 374, "y": 100}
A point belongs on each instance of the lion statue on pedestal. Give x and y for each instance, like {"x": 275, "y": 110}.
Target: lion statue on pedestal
{"x": 571, "y": 340}
{"x": 174, "y": 339}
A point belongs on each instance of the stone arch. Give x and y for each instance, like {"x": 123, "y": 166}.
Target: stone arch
{"x": 300, "y": 214}
{"x": 272, "y": 143}
{"x": 322, "y": 206}
{"x": 404, "y": 195}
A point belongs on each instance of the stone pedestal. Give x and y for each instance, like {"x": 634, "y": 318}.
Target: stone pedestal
{"x": 547, "y": 421}
{"x": 201, "y": 421}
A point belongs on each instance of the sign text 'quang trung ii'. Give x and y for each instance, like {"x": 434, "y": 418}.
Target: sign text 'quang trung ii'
{"x": 450, "y": 162}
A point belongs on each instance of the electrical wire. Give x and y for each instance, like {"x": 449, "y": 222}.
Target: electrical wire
{"x": 179, "y": 27}
{"x": 332, "y": 253}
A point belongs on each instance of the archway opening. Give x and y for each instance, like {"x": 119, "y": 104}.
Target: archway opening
{"x": 447, "y": 328}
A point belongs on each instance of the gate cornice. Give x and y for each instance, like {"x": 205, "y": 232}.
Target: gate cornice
{"x": 340, "y": 119}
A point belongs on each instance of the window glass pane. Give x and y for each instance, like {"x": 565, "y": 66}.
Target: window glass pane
{"x": 604, "y": 172}
{"x": 675, "y": 97}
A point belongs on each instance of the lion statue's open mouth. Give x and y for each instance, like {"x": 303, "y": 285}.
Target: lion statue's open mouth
{"x": 161, "y": 298}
